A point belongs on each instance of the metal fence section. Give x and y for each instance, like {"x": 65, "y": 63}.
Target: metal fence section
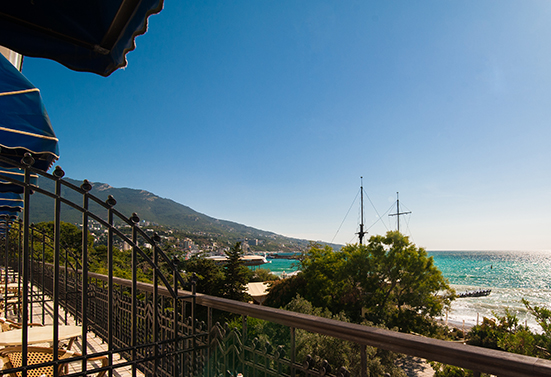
{"x": 151, "y": 331}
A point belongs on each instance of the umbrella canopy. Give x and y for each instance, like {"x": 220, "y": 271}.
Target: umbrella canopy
{"x": 24, "y": 123}
{"x": 16, "y": 174}
{"x": 10, "y": 201}
{"x": 92, "y": 36}
{"x": 5, "y": 224}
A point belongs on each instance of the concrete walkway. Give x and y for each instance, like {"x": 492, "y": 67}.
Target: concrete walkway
{"x": 415, "y": 366}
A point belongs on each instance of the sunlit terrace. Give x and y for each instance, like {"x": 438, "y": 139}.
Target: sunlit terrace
{"x": 66, "y": 312}
{"x": 159, "y": 326}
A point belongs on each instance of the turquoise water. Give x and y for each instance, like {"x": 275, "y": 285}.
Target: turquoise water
{"x": 280, "y": 266}
{"x": 510, "y": 275}
{"x": 496, "y": 269}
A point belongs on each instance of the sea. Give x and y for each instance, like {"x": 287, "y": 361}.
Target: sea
{"x": 511, "y": 275}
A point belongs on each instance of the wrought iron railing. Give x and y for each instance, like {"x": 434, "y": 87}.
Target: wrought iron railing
{"x": 146, "y": 328}
{"x": 163, "y": 328}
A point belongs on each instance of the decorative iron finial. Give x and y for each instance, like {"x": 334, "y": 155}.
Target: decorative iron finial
{"x": 110, "y": 201}
{"x": 156, "y": 237}
{"x": 58, "y": 172}
{"x": 134, "y": 218}
{"x": 27, "y": 159}
{"x": 86, "y": 185}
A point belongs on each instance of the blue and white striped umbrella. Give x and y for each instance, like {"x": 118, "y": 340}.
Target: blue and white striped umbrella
{"x": 24, "y": 123}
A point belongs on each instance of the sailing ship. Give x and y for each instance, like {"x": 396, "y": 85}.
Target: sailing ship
{"x": 362, "y": 232}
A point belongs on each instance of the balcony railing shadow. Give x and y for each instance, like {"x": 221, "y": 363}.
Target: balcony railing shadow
{"x": 156, "y": 321}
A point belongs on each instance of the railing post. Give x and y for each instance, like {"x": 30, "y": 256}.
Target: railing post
{"x": 209, "y": 342}
{"x": 134, "y": 337}
{"x": 363, "y": 356}
{"x": 30, "y": 278}
{"x": 193, "y": 320}
{"x": 155, "y": 303}
{"x": 86, "y": 187}
{"x": 175, "y": 316}
{"x": 293, "y": 351}
{"x": 58, "y": 174}
{"x": 6, "y": 266}
{"x": 20, "y": 248}
{"x": 110, "y": 295}
{"x": 43, "y": 271}
{"x": 244, "y": 325}
{"x": 28, "y": 161}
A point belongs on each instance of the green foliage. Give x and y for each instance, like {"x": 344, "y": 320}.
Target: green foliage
{"x": 486, "y": 334}
{"x": 228, "y": 281}
{"x": 389, "y": 281}
{"x": 503, "y": 333}
{"x": 401, "y": 281}
{"x": 283, "y": 291}
{"x": 337, "y": 352}
{"x": 210, "y": 276}
{"x": 70, "y": 240}
{"x": 543, "y": 318}
{"x": 71, "y": 235}
{"x": 441, "y": 370}
{"x": 235, "y": 275}
{"x": 199, "y": 227}
{"x": 263, "y": 274}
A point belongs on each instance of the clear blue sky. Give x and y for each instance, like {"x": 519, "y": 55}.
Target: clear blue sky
{"x": 268, "y": 112}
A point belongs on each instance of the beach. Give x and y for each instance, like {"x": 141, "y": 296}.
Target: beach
{"x": 511, "y": 275}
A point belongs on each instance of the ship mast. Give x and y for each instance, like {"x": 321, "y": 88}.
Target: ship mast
{"x": 398, "y": 213}
{"x": 361, "y": 233}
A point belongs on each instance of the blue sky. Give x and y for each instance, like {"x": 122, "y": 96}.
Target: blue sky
{"x": 268, "y": 112}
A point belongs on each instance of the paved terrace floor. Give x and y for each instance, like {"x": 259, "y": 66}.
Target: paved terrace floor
{"x": 95, "y": 343}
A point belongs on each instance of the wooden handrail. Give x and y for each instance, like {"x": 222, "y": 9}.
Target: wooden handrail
{"x": 479, "y": 359}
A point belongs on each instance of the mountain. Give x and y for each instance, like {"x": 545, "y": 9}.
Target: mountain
{"x": 154, "y": 209}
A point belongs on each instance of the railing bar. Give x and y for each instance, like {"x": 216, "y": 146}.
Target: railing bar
{"x": 293, "y": 351}
{"x": 363, "y": 356}
{"x": 6, "y": 266}
{"x": 193, "y": 319}
{"x": 19, "y": 260}
{"x": 66, "y": 285}
{"x": 30, "y": 270}
{"x": 84, "y": 281}
{"x": 26, "y": 225}
{"x": 176, "y": 370}
{"x": 134, "y": 298}
{"x": 155, "y": 304}
{"x": 42, "y": 279}
{"x": 55, "y": 288}
{"x": 24, "y": 261}
{"x": 110, "y": 304}
{"x": 209, "y": 340}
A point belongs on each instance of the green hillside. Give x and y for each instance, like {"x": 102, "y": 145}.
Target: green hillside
{"x": 154, "y": 209}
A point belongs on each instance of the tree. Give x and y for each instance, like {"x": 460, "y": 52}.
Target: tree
{"x": 210, "y": 275}
{"x": 318, "y": 347}
{"x": 235, "y": 275}
{"x": 399, "y": 281}
{"x": 263, "y": 274}
{"x": 389, "y": 281}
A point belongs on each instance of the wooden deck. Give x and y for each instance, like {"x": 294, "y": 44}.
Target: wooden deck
{"x": 94, "y": 343}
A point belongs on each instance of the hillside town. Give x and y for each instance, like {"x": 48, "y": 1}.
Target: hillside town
{"x": 186, "y": 244}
